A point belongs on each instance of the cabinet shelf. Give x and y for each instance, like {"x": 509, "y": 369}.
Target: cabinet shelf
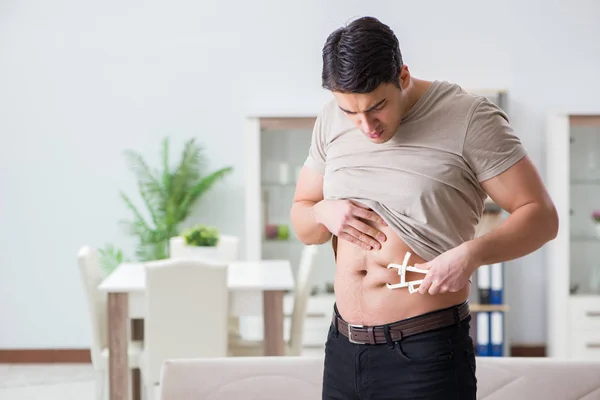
{"x": 585, "y": 181}
{"x": 582, "y": 238}
{"x": 292, "y": 241}
{"x": 488, "y": 307}
{"x": 272, "y": 185}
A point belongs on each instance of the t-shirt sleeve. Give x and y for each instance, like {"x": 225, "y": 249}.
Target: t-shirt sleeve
{"x": 316, "y": 152}
{"x": 491, "y": 145}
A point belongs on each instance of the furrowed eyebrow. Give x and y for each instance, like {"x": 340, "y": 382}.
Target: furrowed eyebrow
{"x": 370, "y": 109}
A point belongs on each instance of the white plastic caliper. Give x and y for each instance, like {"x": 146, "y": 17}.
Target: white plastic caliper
{"x": 411, "y": 285}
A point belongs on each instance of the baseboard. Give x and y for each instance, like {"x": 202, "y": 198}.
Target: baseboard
{"x": 527, "y": 350}
{"x": 66, "y": 356}
{"x": 44, "y": 356}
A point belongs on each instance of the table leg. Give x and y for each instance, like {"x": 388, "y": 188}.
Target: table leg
{"x": 273, "y": 323}
{"x": 137, "y": 333}
{"x": 118, "y": 337}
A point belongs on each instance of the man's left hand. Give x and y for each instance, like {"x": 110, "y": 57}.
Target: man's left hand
{"x": 448, "y": 272}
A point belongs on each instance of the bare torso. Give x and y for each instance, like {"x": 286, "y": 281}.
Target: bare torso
{"x": 362, "y": 296}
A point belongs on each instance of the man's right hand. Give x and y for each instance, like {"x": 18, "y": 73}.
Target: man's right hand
{"x": 344, "y": 219}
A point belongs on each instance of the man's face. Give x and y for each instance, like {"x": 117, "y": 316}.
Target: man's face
{"x": 377, "y": 114}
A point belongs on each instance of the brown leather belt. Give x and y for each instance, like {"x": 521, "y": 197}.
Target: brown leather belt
{"x": 398, "y": 330}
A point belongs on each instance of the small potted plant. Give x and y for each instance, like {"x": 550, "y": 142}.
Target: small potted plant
{"x": 596, "y": 219}
{"x": 198, "y": 242}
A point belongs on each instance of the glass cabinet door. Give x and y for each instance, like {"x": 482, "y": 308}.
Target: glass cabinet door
{"x": 282, "y": 155}
{"x": 584, "y": 175}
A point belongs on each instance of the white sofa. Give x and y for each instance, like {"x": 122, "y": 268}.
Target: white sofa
{"x": 291, "y": 378}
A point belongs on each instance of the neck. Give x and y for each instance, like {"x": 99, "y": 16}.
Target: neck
{"x": 414, "y": 92}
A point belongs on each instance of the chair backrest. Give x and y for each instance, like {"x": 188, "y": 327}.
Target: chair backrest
{"x": 176, "y": 247}
{"x": 228, "y": 248}
{"x": 187, "y": 312}
{"x": 91, "y": 276}
{"x": 303, "y": 287}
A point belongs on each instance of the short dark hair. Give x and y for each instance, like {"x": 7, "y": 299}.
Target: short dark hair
{"x": 361, "y": 56}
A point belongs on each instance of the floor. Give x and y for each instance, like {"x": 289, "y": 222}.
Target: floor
{"x": 47, "y": 382}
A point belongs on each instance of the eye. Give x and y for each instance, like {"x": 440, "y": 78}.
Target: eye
{"x": 379, "y": 108}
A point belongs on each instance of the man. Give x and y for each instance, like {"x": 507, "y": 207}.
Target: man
{"x": 397, "y": 166}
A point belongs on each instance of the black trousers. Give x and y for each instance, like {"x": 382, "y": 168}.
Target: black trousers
{"x": 438, "y": 364}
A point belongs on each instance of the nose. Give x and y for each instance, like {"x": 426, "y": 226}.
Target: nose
{"x": 368, "y": 125}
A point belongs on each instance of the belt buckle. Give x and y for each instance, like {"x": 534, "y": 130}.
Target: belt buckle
{"x": 350, "y": 326}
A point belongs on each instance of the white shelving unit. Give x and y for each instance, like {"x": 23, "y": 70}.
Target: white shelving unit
{"x": 573, "y": 292}
{"x": 276, "y": 147}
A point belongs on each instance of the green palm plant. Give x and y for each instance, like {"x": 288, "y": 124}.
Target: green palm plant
{"x": 110, "y": 257}
{"x": 168, "y": 194}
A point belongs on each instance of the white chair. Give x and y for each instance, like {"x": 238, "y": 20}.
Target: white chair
{"x": 186, "y": 316}
{"x": 91, "y": 277}
{"x": 228, "y": 248}
{"x": 304, "y": 280}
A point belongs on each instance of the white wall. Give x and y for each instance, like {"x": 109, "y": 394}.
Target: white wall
{"x": 80, "y": 82}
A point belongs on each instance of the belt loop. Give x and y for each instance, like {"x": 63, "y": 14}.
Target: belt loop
{"x": 388, "y": 337}
{"x": 371, "y": 335}
{"x": 456, "y": 316}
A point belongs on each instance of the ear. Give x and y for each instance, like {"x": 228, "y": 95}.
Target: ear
{"x": 404, "y": 77}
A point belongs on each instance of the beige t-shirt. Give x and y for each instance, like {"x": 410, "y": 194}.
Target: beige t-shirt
{"x": 424, "y": 182}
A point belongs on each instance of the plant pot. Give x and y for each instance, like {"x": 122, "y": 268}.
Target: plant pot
{"x": 179, "y": 249}
{"x": 597, "y": 227}
{"x": 201, "y": 252}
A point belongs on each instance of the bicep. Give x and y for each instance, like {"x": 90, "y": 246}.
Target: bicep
{"x": 309, "y": 186}
{"x": 518, "y": 186}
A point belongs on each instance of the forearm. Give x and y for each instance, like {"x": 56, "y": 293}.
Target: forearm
{"x": 524, "y": 231}
{"x": 308, "y": 230}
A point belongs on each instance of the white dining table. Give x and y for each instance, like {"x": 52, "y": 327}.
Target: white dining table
{"x": 256, "y": 288}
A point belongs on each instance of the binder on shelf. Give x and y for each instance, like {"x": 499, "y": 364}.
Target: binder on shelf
{"x": 483, "y": 284}
{"x": 497, "y": 334}
{"x": 496, "y": 283}
{"x": 483, "y": 334}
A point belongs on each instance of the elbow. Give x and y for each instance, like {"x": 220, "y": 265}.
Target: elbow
{"x": 313, "y": 235}
{"x": 315, "y": 240}
{"x": 552, "y": 221}
{"x": 307, "y": 230}
{"x": 324, "y": 237}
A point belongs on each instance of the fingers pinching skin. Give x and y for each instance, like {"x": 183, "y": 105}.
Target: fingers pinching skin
{"x": 425, "y": 285}
{"x": 434, "y": 288}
